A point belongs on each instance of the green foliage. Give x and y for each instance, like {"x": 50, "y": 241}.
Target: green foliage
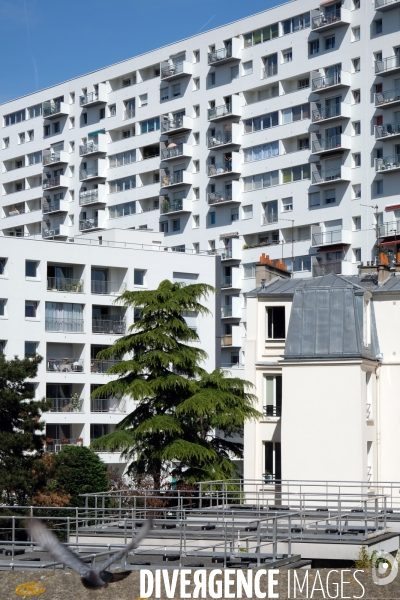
{"x": 78, "y": 470}
{"x": 363, "y": 560}
{"x": 183, "y": 415}
{"x": 21, "y": 431}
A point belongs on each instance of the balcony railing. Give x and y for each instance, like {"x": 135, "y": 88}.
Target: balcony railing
{"x": 226, "y": 340}
{"x": 62, "y": 284}
{"x": 328, "y": 175}
{"x": 327, "y": 112}
{"x": 170, "y": 207}
{"x": 226, "y": 311}
{"x": 88, "y": 224}
{"x": 51, "y": 108}
{"x": 115, "y": 326}
{"x": 170, "y": 124}
{"x": 326, "y": 19}
{"x": 55, "y": 445}
{"x": 52, "y": 232}
{"x": 386, "y": 64}
{"x": 52, "y": 157}
{"x": 220, "y": 140}
{"x": 269, "y": 218}
{"x": 270, "y": 71}
{"x": 65, "y": 365}
{"x": 102, "y": 366}
{"x": 327, "y": 267}
{"x": 226, "y": 281}
{"x": 89, "y": 98}
{"x": 172, "y": 152}
{"x": 50, "y": 183}
{"x": 88, "y": 197}
{"x": 327, "y": 143}
{"x": 219, "y": 168}
{"x": 105, "y": 405}
{"x": 326, "y": 81}
{"x": 272, "y": 411}
{"x": 219, "y": 111}
{"x": 129, "y": 114}
{"x": 327, "y": 237}
{"x": 107, "y": 287}
{"x": 215, "y": 197}
{"x": 387, "y": 130}
{"x": 217, "y": 55}
{"x": 88, "y": 148}
{"x": 226, "y": 253}
{"x": 64, "y": 325}
{"x": 65, "y": 405}
{"x": 387, "y": 163}
{"x": 381, "y": 3}
{"x": 176, "y": 177}
{"x": 171, "y": 70}
{"x": 387, "y": 97}
{"x": 48, "y": 207}
{"x": 89, "y": 173}
{"x": 390, "y": 229}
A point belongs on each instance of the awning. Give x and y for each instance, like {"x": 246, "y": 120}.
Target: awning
{"x": 331, "y": 248}
{"x": 394, "y": 243}
{"x": 393, "y": 207}
{"x": 229, "y": 235}
{"x": 92, "y": 133}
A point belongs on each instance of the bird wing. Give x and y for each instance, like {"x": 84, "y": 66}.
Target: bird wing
{"x": 135, "y": 542}
{"x": 47, "y": 540}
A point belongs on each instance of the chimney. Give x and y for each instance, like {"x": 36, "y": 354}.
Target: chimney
{"x": 266, "y": 271}
{"x": 381, "y": 268}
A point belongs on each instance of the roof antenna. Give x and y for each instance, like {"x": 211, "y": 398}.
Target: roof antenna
{"x": 263, "y": 284}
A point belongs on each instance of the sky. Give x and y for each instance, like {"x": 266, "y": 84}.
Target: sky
{"x": 44, "y": 42}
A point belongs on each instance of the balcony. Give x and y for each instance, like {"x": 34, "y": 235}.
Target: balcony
{"x": 330, "y": 19}
{"x": 327, "y": 238}
{"x": 64, "y": 325}
{"x": 329, "y": 145}
{"x": 270, "y": 71}
{"x": 56, "y": 445}
{"x": 388, "y": 98}
{"x": 95, "y": 172}
{"x": 176, "y": 124}
{"x": 55, "y": 231}
{"x": 179, "y": 206}
{"x": 387, "y": 66}
{"x": 106, "y": 405}
{"x": 390, "y": 229}
{"x": 53, "y": 183}
{"x": 226, "y": 340}
{"x": 107, "y": 288}
{"x": 176, "y": 178}
{"x": 228, "y": 137}
{"x": 96, "y": 97}
{"x": 329, "y": 82}
{"x": 330, "y": 176}
{"x": 55, "y": 158}
{"x": 92, "y": 148}
{"x": 383, "y": 5}
{"x": 175, "y": 152}
{"x": 224, "y": 197}
{"x": 59, "y": 405}
{"x": 219, "y": 57}
{"x": 61, "y": 284}
{"x": 226, "y": 311}
{"x": 53, "y": 110}
{"x": 329, "y": 113}
{"x": 218, "y": 113}
{"x": 389, "y": 130}
{"x": 272, "y": 411}
{"x": 327, "y": 267}
{"x": 102, "y": 366}
{"x": 170, "y": 72}
{"x": 111, "y": 325}
{"x": 54, "y": 206}
{"x": 230, "y": 165}
{"x": 64, "y": 365}
{"x": 226, "y": 281}
{"x": 89, "y": 224}
{"x": 94, "y": 196}
{"x": 389, "y": 163}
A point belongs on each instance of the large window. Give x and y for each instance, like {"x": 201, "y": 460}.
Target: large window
{"x": 295, "y": 113}
{"x": 123, "y": 158}
{"x": 302, "y": 263}
{"x": 272, "y": 461}
{"x": 262, "y": 151}
{"x": 150, "y": 125}
{"x": 120, "y": 185}
{"x": 31, "y": 308}
{"x": 273, "y": 395}
{"x": 35, "y": 158}
{"x": 64, "y": 316}
{"x": 122, "y": 210}
{"x": 261, "y": 122}
{"x": 296, "y": 23}
{"x": 15, "y": 117}
{"x": 276, "y": 323}
{"x": 263, "y": 180}
{"x": 261, "y": 35}
{"x": 35, "y": 111}
{"x": 296, "y": 173}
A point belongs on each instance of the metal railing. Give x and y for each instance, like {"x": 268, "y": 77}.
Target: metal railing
{"x": 326, "y": 81}
{"x": 327, "y": 112}
{"x": 226, "y": 311}
{"x": 51, "y": 182}
{"x": 215, "y": 197}
{"x": 327, "y": 267}
{"x": 380, "y": 3}
{"x": 115, "y": 326}
{"x": 172, "y": 152}
{"x": 170, "y": 207}
{"x": 53, "y": 206}
{"x": 219, "y": 140}
{"x": 88, "y": 197}
{"x": 88, "y": 224}
{"x": 387, "y": 97}
{"x": 57, "y": 444}
{"x": 66, "y": 405}
{"x": 89, "y": 173}
{"x": 88, "y": 98}
{"x": 328, "y": 175}
{"x": 52, "y": 157}
{"x": 65, "y": 325}
{"x": 387, "y": 163}
{"x": 64, "y": 365}
{"x": 391, "y": 228}
{"x": 175, "y": 177}
{"x": 103, "y": 405}
{"x": 387, "y": 64}
{"x": 170, "y": 70}
{"x": 219, "y": 168}
{"x": 129, "y": 114}
{"x": 102, "y": 366}
{"x": 17, "y": 211}
{"x": 225, "y": 253}
{"x": 387, "y": 129}
{"x": 217, "y": 55}
{"x": 270, "y": 218}
{"x": 327, "y": 143}
{"x": 51, "y": 108}
{"x": 327, "y": 237}
{"x": 170, "y": 124}
{"x": 107, "y": 287}
{"x": 328, "y": 18}
{"x": 46, "y": 233}
{"x": 88, "y": 148}
{"x": 64, "y": 284}
{"x": 226, "y": 340}
{"x": 272, "y": 411}
{"x": 226, "y": 281}
{"x": 270, "y": 71}
{"x": 219, "y": 111}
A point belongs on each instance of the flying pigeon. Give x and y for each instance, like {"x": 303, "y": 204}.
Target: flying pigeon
{"x": 91, "y": 578}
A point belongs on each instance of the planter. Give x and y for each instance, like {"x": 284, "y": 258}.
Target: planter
{"x": 64, "y": 440}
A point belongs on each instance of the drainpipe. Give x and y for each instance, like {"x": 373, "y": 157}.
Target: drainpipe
{"x": 378, "y": 424}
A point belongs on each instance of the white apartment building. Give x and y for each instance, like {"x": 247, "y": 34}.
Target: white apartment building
{"x": 269, "y": 132}
{"x": 57, "y": 299}
{"x": 323, "y": 354}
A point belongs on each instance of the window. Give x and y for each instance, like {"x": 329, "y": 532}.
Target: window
{"x": 379, "y": 187}
{"x": 314, "y": 199}
{"x": 356, "y": 4}
{"x": 357, "y": 254}
{"x": 196, "y": 193}
{"x": 138, "y": 276}
{"x": 164, "y": 226}
{"x": 247, "y": 67}
{"x": 126, "y": 83}
{"x": 329, "y": 197}
{"x": 84, "y": 118}
{"x": 330, "y": 42}
{"x": 356, "y": 65}
{"x": 2, "y": 266}
{"x": 378, "y": 26}
{"x": 176, "y": 225}
{"x": 196, "y": 56}
{"x": 31, "y": 135}
{"x": 31, "y": 268}
{"x": 357, "y": 127}
{"x": 2, "y": 307}
{"x": 21, "y": 138}
{"x": 30, "y": 348}
{"x": 196, "y": 138}
{"x": 247, "y": 212}
{"x": 211, "y": 78}
{"x": 112, "y": 110}
{"x": 15, "y": 117}
{"x": 34, "y": 111}
{"x": 296, "y": 173}
{"x": 196, "y": 111}
{"x": 35, "y": 158}
{"x": 180, "y": 248}
{"x": 302, "y": 84}
{"x": 261, "y": 152}
{"x": 261, "y": 35}
{"x": 120, "y": 185}
{"x": 273, "y": 395}
{"x": 196, "y": 221}
{"x": 196, "y": 84}
{"x": 249, "y": 270}
{"x": 356, "y": 32}
{"x": 357, "y": 223}
{"x": 71, "y": 122}
{"x": 212, "y": 218}
{"x": 122, "y": 210}
{"x": 196, "y": 166}
{"x": 356, "y": 96}
{"x": 261, "y": 122}
{"x": 263, "y": 180}
{"x": 287, "y": 55}
{"x": 357, "y": 159}
{"x": 302, "y": 263}
{"x": 276, "y": 323}
{"x": 122, "y": 158}
{"x": 287, "y": 204}
{"x": 367, "y": 321}
{"x": 234, "y": 72}
{"x": 2, "y": 346}
{"x": 6, "y": 143}
{"x": 356, "y": 191}
{"x": 150, "y": 125}
{"x": 176, "y": 90}
{"x": 143, "y": 99}
{"x": 164, "y": 94}
{"x": 234, "y": 214}
{"x": 313, "y": 47}
{"x": 31, "y": 309}
{"x": 295, "y": 113}
{"x": 102, "y": 113}
{"x": 126, "y": 134}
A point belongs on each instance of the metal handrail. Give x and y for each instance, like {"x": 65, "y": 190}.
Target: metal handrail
{"x": 226, "y": 340}
{"x": 52, "y": 157}
{"x": 327, "y": 112}
{"x": 102, "y": 366}
{"x": 49, "y": 183}
{"x": 213, "y": 141}
{"x": 88, "y": 98}
{"x": 270, "y": 218}
{"x": 217, "y": 55}
{"x": 172, "y": 152}
{"x": 66, "y": 325}
{"x": 169, "y": 207}
{"x": 176, "y": 177}
{"x": 387, "y": 97}
{"x": 379, "y": 3}
{"x": 327, "y": 143}
{"x": 88, "y": 148}
{"x": 107, "y": 287}
{"x": 101, "y": 405}
{"x": 64, "y": 284}
{"x": 387, "y": 129}
{"x": 219, "y": 168}
{"x": 389, "y": 229}
{"x": 226, "y": 281}
{"x": 88, "y": 173}
{"x": 387, "y": 163}
{"x": 170, "y": 124}
{"x": 269, "y": 410}
{"x": 226, "y": 311}
{"x": 328, "y": 18}
{"x": 219, "y": 111}
{"x": 386, "y": 64}
{"x": 51, "y": 108}
{"x": 52, "y": 206}
{"x": 64, "y": 405}
{"x": 326, "y": 81}
{"x": 65, "y": 365}
{"x": 328, "y": 175}
{"x": 170, "y": 70}
{"x": 326, "y": 267}
{"x": 327, "y": 237}
{"x": 88, "y": 224}
{"x": 215, "y": 197}
{"x": 114, "y": 325}
{"x": 88, "y": 197}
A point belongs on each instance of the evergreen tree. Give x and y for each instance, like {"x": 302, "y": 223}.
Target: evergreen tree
{"x": 21, "y": 437}
{"x": 183, "y": 414}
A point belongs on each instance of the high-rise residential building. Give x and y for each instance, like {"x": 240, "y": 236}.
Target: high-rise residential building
{"x": 269, "y": 133}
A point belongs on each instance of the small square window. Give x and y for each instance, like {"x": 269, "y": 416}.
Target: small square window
{"x": 6, "y": 143}
{"x": 196, "y": 221}
{"x": 196, "y": 193}
{"x": 176, "y": 225}
{"x": 196, "y": 111}
{"x": 176, "y": 90}
{"x": 31, "y": 135}
{"x": 356, "y": 96}
{"x": 357, "y": 127}
{"x": 357, "y": 254}
{"x": 330, "y": 197}
{"x": 287, "y": 55}
{"x": 234, "y": 214}
{"x": 356, "y": 65}
{"x": 84, "y": 118}
{"x": 196, "y": 166}
{"x": 138, "y": 276}
{"x": 196, "y": 56}
{"x": 196, "y": 138}
{"x": 56, "y": 127}
{"x": 31, "y": 309}
{"x": 247, "y": 67}
{"x": 357, "y": 223}
{"x": 313, "y": 47}
{"x": 212, "y": 218}
{"x": 46, "y": 130}
{"x": 247, "y": 212}
{"x": 112, "y": 110}
{"x": 102, "y": 113}
{"x": 30, "y": 348}
{"x": 196, "y": 83}
{"x": 356, "y": 34}
{"x": 330, "y": 42}
{"x": 211, "y": 78}
{"x": 31, "y": 268}
{"x": 2, "y": 307}
{"x": 3, "y": 266}
{"x": 357, "y": 191}
{"x": 379, "y": 187}
{"x": 287, "y": 204}
{"x": 357, "y": 159}
{"x": 71, "y": 122}
{"x": 234, "y": 72}
{"x": 378, "y": 26}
